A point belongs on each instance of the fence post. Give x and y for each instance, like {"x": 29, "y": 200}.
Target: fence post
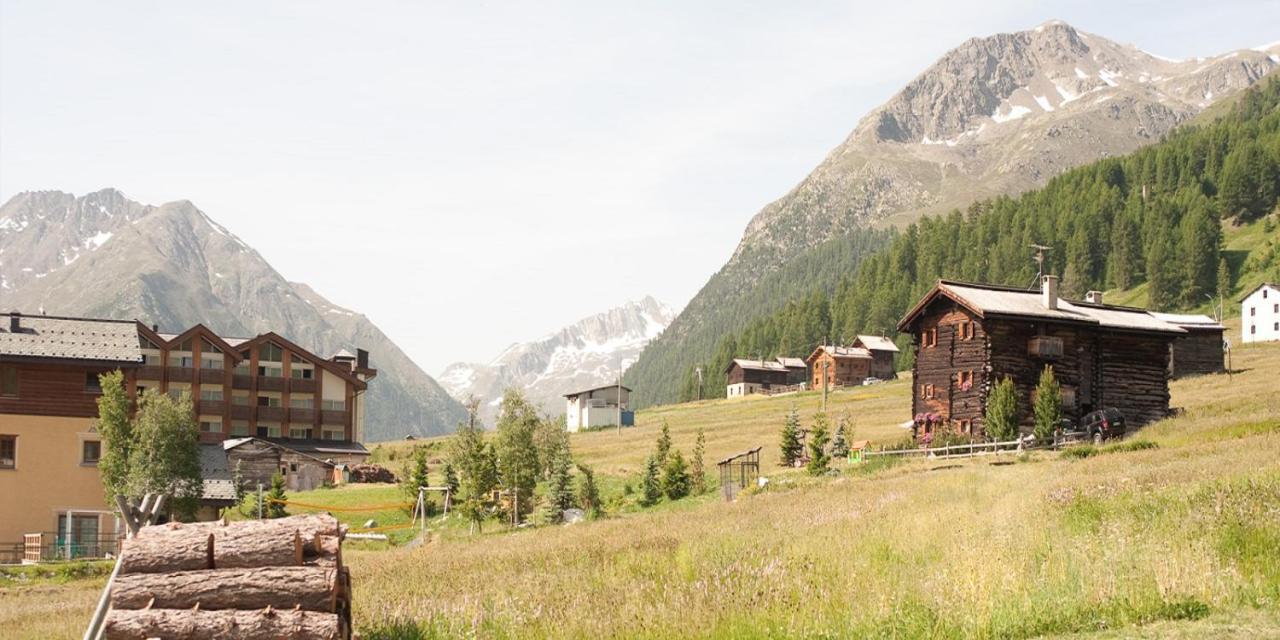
{"x": 259, "y": 500}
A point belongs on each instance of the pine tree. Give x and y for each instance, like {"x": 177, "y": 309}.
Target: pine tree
{"x": 699, "y": 474}
{"x": 1162, "y": 271}
{"x": 840, "y": 444}
{"x": 650, "y": 490}
{"x": 675, "y": 477}
{"x": 664, "y": 444}
{"x": 1048, "y": 406}
{"x": 451, "y": 478}
{"x": 588, "y": 492}
{"x": 560, "y": 485}
{"x": 477, "y": 465}
{"x": 1200, "y": 236}
{"x": 1001, "y": 420}
{"x": 276, "y": 498}
{"x": 417, "y": 475}
{"x": 819, "y": 460}
{"x": 790, "y": 446}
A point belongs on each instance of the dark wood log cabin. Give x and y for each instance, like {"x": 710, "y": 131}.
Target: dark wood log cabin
{"x": 883, "y": 351}
{"x": 1200, "y": 351}
{"x": 968, "y": 336}
{"x": 835, "y": 366}
{"x": 744, "y": 377}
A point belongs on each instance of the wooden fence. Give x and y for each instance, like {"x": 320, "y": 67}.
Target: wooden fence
{"x": 971, "y": 449}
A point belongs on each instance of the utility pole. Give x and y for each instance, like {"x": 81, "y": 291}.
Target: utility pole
{"x": 826, "y": 382}
{"x": 698, "y": 370}
{"x": 1039, "y": 258}
{"x": 619, "y": 395}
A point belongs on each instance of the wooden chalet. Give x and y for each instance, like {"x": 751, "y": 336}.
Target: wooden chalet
{"x": 834, "y": 366}
{"x": 966, "y": 337}
{"x": 883, "y": 352}
{"x": 1200, "y": 350}
{"x": 744, "y": 377}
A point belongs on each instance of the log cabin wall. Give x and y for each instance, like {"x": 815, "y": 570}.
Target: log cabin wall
{"x": 951, "y": 366}
{"x": 882, "y": 365}
{"x": 845, "y": 372}
{"x": 1134, "y": 373}
{"x": 738, "y": 375}
{"x": 1198, "y": 352}
{"x": 1076, "y": 370}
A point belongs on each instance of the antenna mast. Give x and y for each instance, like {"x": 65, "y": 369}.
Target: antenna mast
{"x": 1041, "y": 250}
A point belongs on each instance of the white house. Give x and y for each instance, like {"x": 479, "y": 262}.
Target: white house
{"x": 598, "y": 407}
{"x": 1260, "y": 314}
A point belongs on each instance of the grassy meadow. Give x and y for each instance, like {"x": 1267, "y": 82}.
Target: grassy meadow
{"x": 1176, "y": 538}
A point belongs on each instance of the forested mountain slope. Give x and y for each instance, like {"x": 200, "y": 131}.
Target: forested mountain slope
{"x": 994, "y": 116}
{"x": 1152, "y": 222}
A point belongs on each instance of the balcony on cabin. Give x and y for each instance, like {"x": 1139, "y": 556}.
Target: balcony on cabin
{"x": 1045, "y": 347}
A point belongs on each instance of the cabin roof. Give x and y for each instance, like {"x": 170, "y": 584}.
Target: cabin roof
{"x": 991, "y": 300}
{"x": 758, "y": 365}
{"x": 853, "y": 353}
{"x": 792, "y": 363}
{"x": 71, "y": 339}
{"x": 599, "y": 388}
{"x": 877, "y": 343}
{"x": 215, "y": 471}
{"x": 1193, "y": 321}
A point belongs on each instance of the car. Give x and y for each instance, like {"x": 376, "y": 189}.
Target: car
{"x": 868, "y": 381}
{"x": 1103, "y": 424}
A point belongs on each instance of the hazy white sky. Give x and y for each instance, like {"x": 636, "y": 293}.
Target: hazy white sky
{"x": 471, "y": 174}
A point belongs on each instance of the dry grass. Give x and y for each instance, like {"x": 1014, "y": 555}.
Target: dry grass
{"x": 1176, "y": 541}
{"x": 1047, "y": 546}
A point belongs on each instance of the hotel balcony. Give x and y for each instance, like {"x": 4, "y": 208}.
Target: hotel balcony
{"x": 150, "y": 372}
{"x": 270, "y": 383}
{"x": 302, "y": 415}
{"x": 211, "y": 407}
{"x": 241, "y": 412}
{"x": 212, "y": 376}
{"x": 271, "y": 414}
{"x": 241, "y": 381}
{"x": 181, "y": 374}
{"x": 301, "y": 385}
{"x": 333, "y": 417}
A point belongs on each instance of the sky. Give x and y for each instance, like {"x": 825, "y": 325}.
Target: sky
{"x": 475, "y": 174}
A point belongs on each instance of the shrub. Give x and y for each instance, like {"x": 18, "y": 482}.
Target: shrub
{"x": 1001, "y": 420}
{"x": 1048, "y": 405}
{"x": 675, "y": 476}
{"x": 819, "y": 460}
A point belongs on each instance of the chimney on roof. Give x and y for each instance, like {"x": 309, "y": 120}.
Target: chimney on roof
{"x": 15, "y": 321}
{"x": 362, "y": 359}
{"x": 155, "y": 328}
{"x": 1094, "y": 297}
{"x": 1049, "y": 291}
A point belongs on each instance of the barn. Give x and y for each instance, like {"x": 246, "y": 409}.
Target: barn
{"x": 967, "y": 336}
{"x": 744, "y": 377}
{"x": 835, "y": 366}
{"x": 1200, "y": 350}
{"x": 883, "y": 352}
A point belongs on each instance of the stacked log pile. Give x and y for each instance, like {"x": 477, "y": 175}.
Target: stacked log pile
{"x": 240, "y": 580}
{"x": 370, "y": 473}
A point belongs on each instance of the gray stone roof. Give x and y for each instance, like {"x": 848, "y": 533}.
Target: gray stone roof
{"x": 70, "y": 338}
{"x": 877, "y": 343}
{"x": 214, "y": 468}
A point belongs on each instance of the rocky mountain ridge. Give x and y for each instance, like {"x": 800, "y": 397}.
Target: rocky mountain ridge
{"x": 584, "y": 354}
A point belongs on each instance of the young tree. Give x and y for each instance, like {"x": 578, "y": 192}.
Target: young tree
{"x": 1224, "y": 280}
{"x": 1001, "y": 420}
{"x": 588, "y": 492}
{"x": 451, "y": 478}
{"x": 675, "y": 476}
{"x": 1048, "y": 406}
{"x": 664, "y": 444}
{"x": 117, "y": 435}
{"x": 417, "y": 475}
{"x": 518, "y": 465}
{"x": 840, "y": 444}
{"x": 650, "y": 490}
{"x": 819, "y": 460}
{"x": 479, "y": 474}
{"x": 790, "y": 445}
{"x": 164, "y": 456}
{"x": 697, "y": 471}
{"x": 239, "y": 485}
{"x": 276, "y": 498}
{"x": 560, "y": 484}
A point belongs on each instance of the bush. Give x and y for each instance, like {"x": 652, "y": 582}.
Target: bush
{"x": 1048, "y": 406}
{"x": 1001, "y": 420}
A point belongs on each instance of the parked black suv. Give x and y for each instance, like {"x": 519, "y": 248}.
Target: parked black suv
{"x": 1103, "y": 424}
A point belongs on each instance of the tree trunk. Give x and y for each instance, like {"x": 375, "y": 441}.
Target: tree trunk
{"x": 236, "y": 548}
{"x": 309, "y": 527}
{"x": 224, "y": 625}
{"x": 311, "y": 588}
{"x": 185, "y": 551}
